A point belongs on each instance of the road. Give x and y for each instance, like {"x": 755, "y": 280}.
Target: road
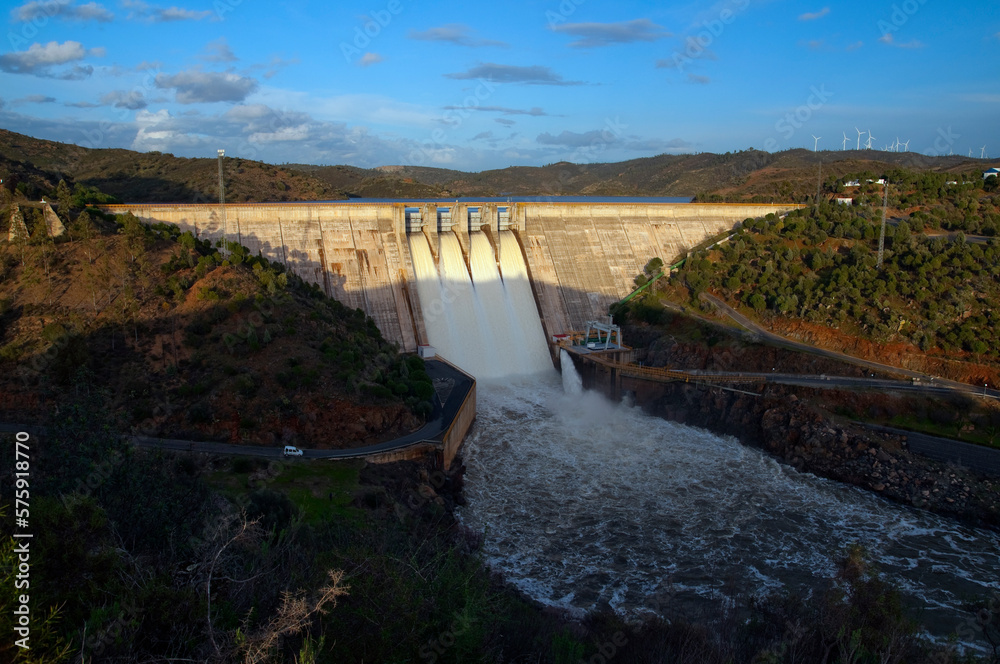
{"x": 441, "y": 419}
{"x": 776, "y": 340}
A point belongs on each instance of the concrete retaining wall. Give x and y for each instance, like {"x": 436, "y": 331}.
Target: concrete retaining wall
{"x": 452, "y": 439}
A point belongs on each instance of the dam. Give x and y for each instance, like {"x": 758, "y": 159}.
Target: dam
{"x": 426, "y": 271}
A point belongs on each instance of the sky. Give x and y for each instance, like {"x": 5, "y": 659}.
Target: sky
{"x": 482, "y": 85}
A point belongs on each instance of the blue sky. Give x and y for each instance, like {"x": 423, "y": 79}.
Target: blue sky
{"x": 489, "y": 85}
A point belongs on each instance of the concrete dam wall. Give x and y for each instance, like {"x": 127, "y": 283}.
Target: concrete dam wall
{"x": 580, "y": 257}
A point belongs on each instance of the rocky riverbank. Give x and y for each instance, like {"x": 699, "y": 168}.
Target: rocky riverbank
{"x": 781, "y": 422}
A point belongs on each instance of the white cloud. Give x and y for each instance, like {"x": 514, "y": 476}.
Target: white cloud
{"x": 31, "y": 11}
{"x": 218, "y": 51}
{"x": 455, "y": 33}
{"x": 812, "y": 16}
{"x": 889, "y": 40}
{"x": 159, "y": 131}
{"x": 592, "y": 35}
{"x": 370, "y": 59}
{"x": 143, "y": 11}
{"x": 39, "y": 60}
{"x": 132, "y": 100}
{"x": 35, "y": 99}
{"x": 195, "y": 86}
{"x": 532, "y": 75}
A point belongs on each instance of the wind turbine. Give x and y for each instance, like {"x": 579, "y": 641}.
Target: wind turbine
{"x": 906, "y": 146}
{"x": 844, "y": 146}
{"x": 983, "y": 154}
{"x": 816, "y": 142}
{"x": 859, "y": 138}
{"x": 870, "y": 139}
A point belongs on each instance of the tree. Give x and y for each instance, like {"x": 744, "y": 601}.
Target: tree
{"x": 86, "y": 230}
{"x": 653, "y": 266}
{"x": 64, "y": 198}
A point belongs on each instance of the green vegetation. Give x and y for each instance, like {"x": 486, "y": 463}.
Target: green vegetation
{"x": 819, "y": 265}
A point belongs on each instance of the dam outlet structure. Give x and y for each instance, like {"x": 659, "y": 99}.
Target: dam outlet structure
{"x": 486, "y": 283}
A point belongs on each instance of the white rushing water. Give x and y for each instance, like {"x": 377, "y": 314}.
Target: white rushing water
{"x": 523, "y": 313}
{"x": 572, "y": 383}
{"x": 486, "y": 325}
{"x": 585, "y": 503}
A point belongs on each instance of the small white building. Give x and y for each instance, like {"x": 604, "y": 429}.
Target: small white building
{"x": 844, "y": 200}
{"x": 991, "y": 173}
{"x": 853, "y": 183}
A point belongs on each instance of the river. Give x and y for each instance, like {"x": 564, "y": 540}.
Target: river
{"x": 587, "y": 504}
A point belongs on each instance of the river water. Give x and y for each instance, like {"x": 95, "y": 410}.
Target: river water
{"x": 587, "y": 504}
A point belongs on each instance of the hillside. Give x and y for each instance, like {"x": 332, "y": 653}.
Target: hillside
{"x": 188, "y": 343}
{"x": 37, "y": 166}
{"x": 749, "y": 175}
{"x": 814, "y": 275}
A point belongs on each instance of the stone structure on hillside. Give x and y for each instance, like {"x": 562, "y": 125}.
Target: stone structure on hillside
{"x": 18, "y": 230}
{"x": 53, "y": 224}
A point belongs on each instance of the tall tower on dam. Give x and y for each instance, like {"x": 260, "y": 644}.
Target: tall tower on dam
{"x": 579, "y": 257}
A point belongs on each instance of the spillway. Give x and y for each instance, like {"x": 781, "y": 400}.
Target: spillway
{"x": 484, "y": 322}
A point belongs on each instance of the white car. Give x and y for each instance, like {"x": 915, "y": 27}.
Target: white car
{"x": 291, "y": 450}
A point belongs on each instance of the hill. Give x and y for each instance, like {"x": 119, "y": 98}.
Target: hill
{"x": 35, "y": 166}
{"x": 188, "y": 343}
{"x": 749, "y": 175}
{"x": 815, "y": 274}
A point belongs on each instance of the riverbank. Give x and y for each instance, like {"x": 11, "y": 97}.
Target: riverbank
{"x": 800, "y": 425}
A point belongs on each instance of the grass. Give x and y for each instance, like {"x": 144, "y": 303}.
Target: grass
{"x": 952, "y": 430}
{"x": 323, "y": 490}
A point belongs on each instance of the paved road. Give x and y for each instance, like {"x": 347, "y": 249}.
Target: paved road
{"x": 431, "y": 432}
{"x": 776, "y": 340}
{"x": 833, "y": 382}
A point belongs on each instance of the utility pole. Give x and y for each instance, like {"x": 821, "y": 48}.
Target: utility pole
{"x": 819, "y": 180}
{"x": 881, "y": 237}
{"x": 222, "y": 206}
